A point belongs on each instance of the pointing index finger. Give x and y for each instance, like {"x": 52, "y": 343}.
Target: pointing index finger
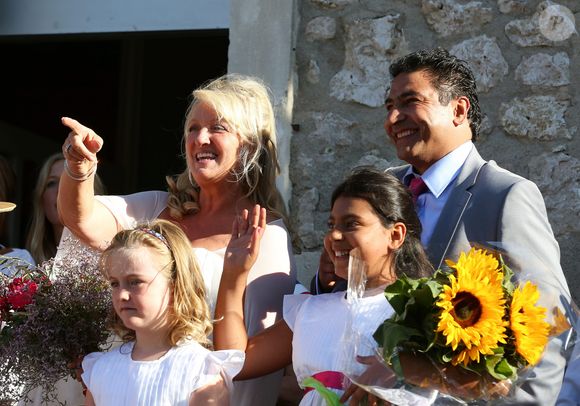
{"x": 90, "y": 140}
{"x": 74, "y": 125}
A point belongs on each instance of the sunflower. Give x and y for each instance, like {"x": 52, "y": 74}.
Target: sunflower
{"x": 528, "y": 322}
{"x": 473, "y": 307}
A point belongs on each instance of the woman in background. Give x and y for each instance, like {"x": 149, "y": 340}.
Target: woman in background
{"x": 46, "y": 228}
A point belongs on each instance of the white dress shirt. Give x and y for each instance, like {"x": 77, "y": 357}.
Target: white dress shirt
{"x": 437, "y": 178}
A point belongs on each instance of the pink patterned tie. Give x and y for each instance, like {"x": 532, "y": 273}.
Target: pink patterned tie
{"x": 417, "y": 187}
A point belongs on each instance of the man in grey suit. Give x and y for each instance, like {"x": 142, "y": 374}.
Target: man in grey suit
{"x": 433, "y": 118}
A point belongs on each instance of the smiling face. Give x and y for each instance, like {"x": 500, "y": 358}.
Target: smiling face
{"x": 141, "y": 292}
{"x": 421, "y": 128}
{"x": 354, "y": 224}
{"x": 51, "y": 192}
{"x": 211, "y": 146}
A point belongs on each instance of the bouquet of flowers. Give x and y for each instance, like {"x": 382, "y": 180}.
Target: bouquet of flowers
{"x": 50, "y": 315}
{"x": 473, "y": 319}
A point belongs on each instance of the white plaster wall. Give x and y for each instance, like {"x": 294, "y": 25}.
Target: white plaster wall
{"x": 262, "y": 45}
{"x": 37, "y": 17}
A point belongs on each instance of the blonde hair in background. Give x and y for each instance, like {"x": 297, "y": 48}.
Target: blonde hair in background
{"x": 189, "y": 313}
{"x": 40, "y": 240}
{"x": 244, "y": 103}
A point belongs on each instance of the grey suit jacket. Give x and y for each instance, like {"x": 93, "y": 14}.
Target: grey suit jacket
{"x": 490, "y": 206}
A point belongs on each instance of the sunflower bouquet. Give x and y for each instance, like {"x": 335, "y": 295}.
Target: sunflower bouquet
{"x": 471, "y": 320}
{"x": 49, "y": 315}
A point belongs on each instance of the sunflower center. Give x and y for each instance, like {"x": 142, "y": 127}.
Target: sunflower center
{"x": 466, "y": 309}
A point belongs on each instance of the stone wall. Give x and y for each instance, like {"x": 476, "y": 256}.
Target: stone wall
{"x": 525, "y": 55}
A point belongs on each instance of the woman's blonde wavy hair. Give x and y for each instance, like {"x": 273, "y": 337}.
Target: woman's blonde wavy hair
{"x": 244, "y": 103}
{"x": 40, "y": 240}
{"x": 189, "y": 316}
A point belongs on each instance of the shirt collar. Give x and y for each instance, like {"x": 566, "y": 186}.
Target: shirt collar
{"x": 439, "y": 175}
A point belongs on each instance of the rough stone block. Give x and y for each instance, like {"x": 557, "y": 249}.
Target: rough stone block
{"x": 557, "y": 23}
{"x": 526, "y": 33}
{"x": 513, "y": 6}
{"x": 545, "y": 70}
{"x": 535, "y": 117}
{"x": 485, "y": 59}
{"x": 320, "y": 29}
{"x": 448, "y": 17}
{"x": 370, "y": 46}
{"x": 548, "y": 26}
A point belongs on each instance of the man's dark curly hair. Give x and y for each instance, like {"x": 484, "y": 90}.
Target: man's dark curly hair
{"x": 449, "y": 75}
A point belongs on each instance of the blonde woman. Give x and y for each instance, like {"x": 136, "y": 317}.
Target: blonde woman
{"x": 231, "y": 165}
{"x": 46, "y": 228}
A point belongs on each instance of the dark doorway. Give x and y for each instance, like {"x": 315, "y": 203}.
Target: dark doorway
{"x": 131, "y": 88}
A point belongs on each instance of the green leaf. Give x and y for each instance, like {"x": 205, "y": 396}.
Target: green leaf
{"x": 435, "y": 287}
{"x": 508, "y": 276}
{"x": 391, "y": 335}
{"x": 504, "y": 368}
{"x": 499, "y": 367}
{"x": 396, "y": 294}
{"x": 425, "y": 295}
{"x": 331, "y": 398}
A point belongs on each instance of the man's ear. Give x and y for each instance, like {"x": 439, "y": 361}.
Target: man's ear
{"x": 461, "y": 107}
{"x": 398, "y": 234}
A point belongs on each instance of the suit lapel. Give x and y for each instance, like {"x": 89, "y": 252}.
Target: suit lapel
{"x": 398, "y": 171}
{"x": 454, "y": 209}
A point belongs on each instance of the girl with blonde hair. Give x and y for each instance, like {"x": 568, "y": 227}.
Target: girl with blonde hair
{"x": 161, "y": 314}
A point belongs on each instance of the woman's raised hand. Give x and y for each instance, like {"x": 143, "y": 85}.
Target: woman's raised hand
{"x": 244, "y": 246}
{"x": 80, "y": 149}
